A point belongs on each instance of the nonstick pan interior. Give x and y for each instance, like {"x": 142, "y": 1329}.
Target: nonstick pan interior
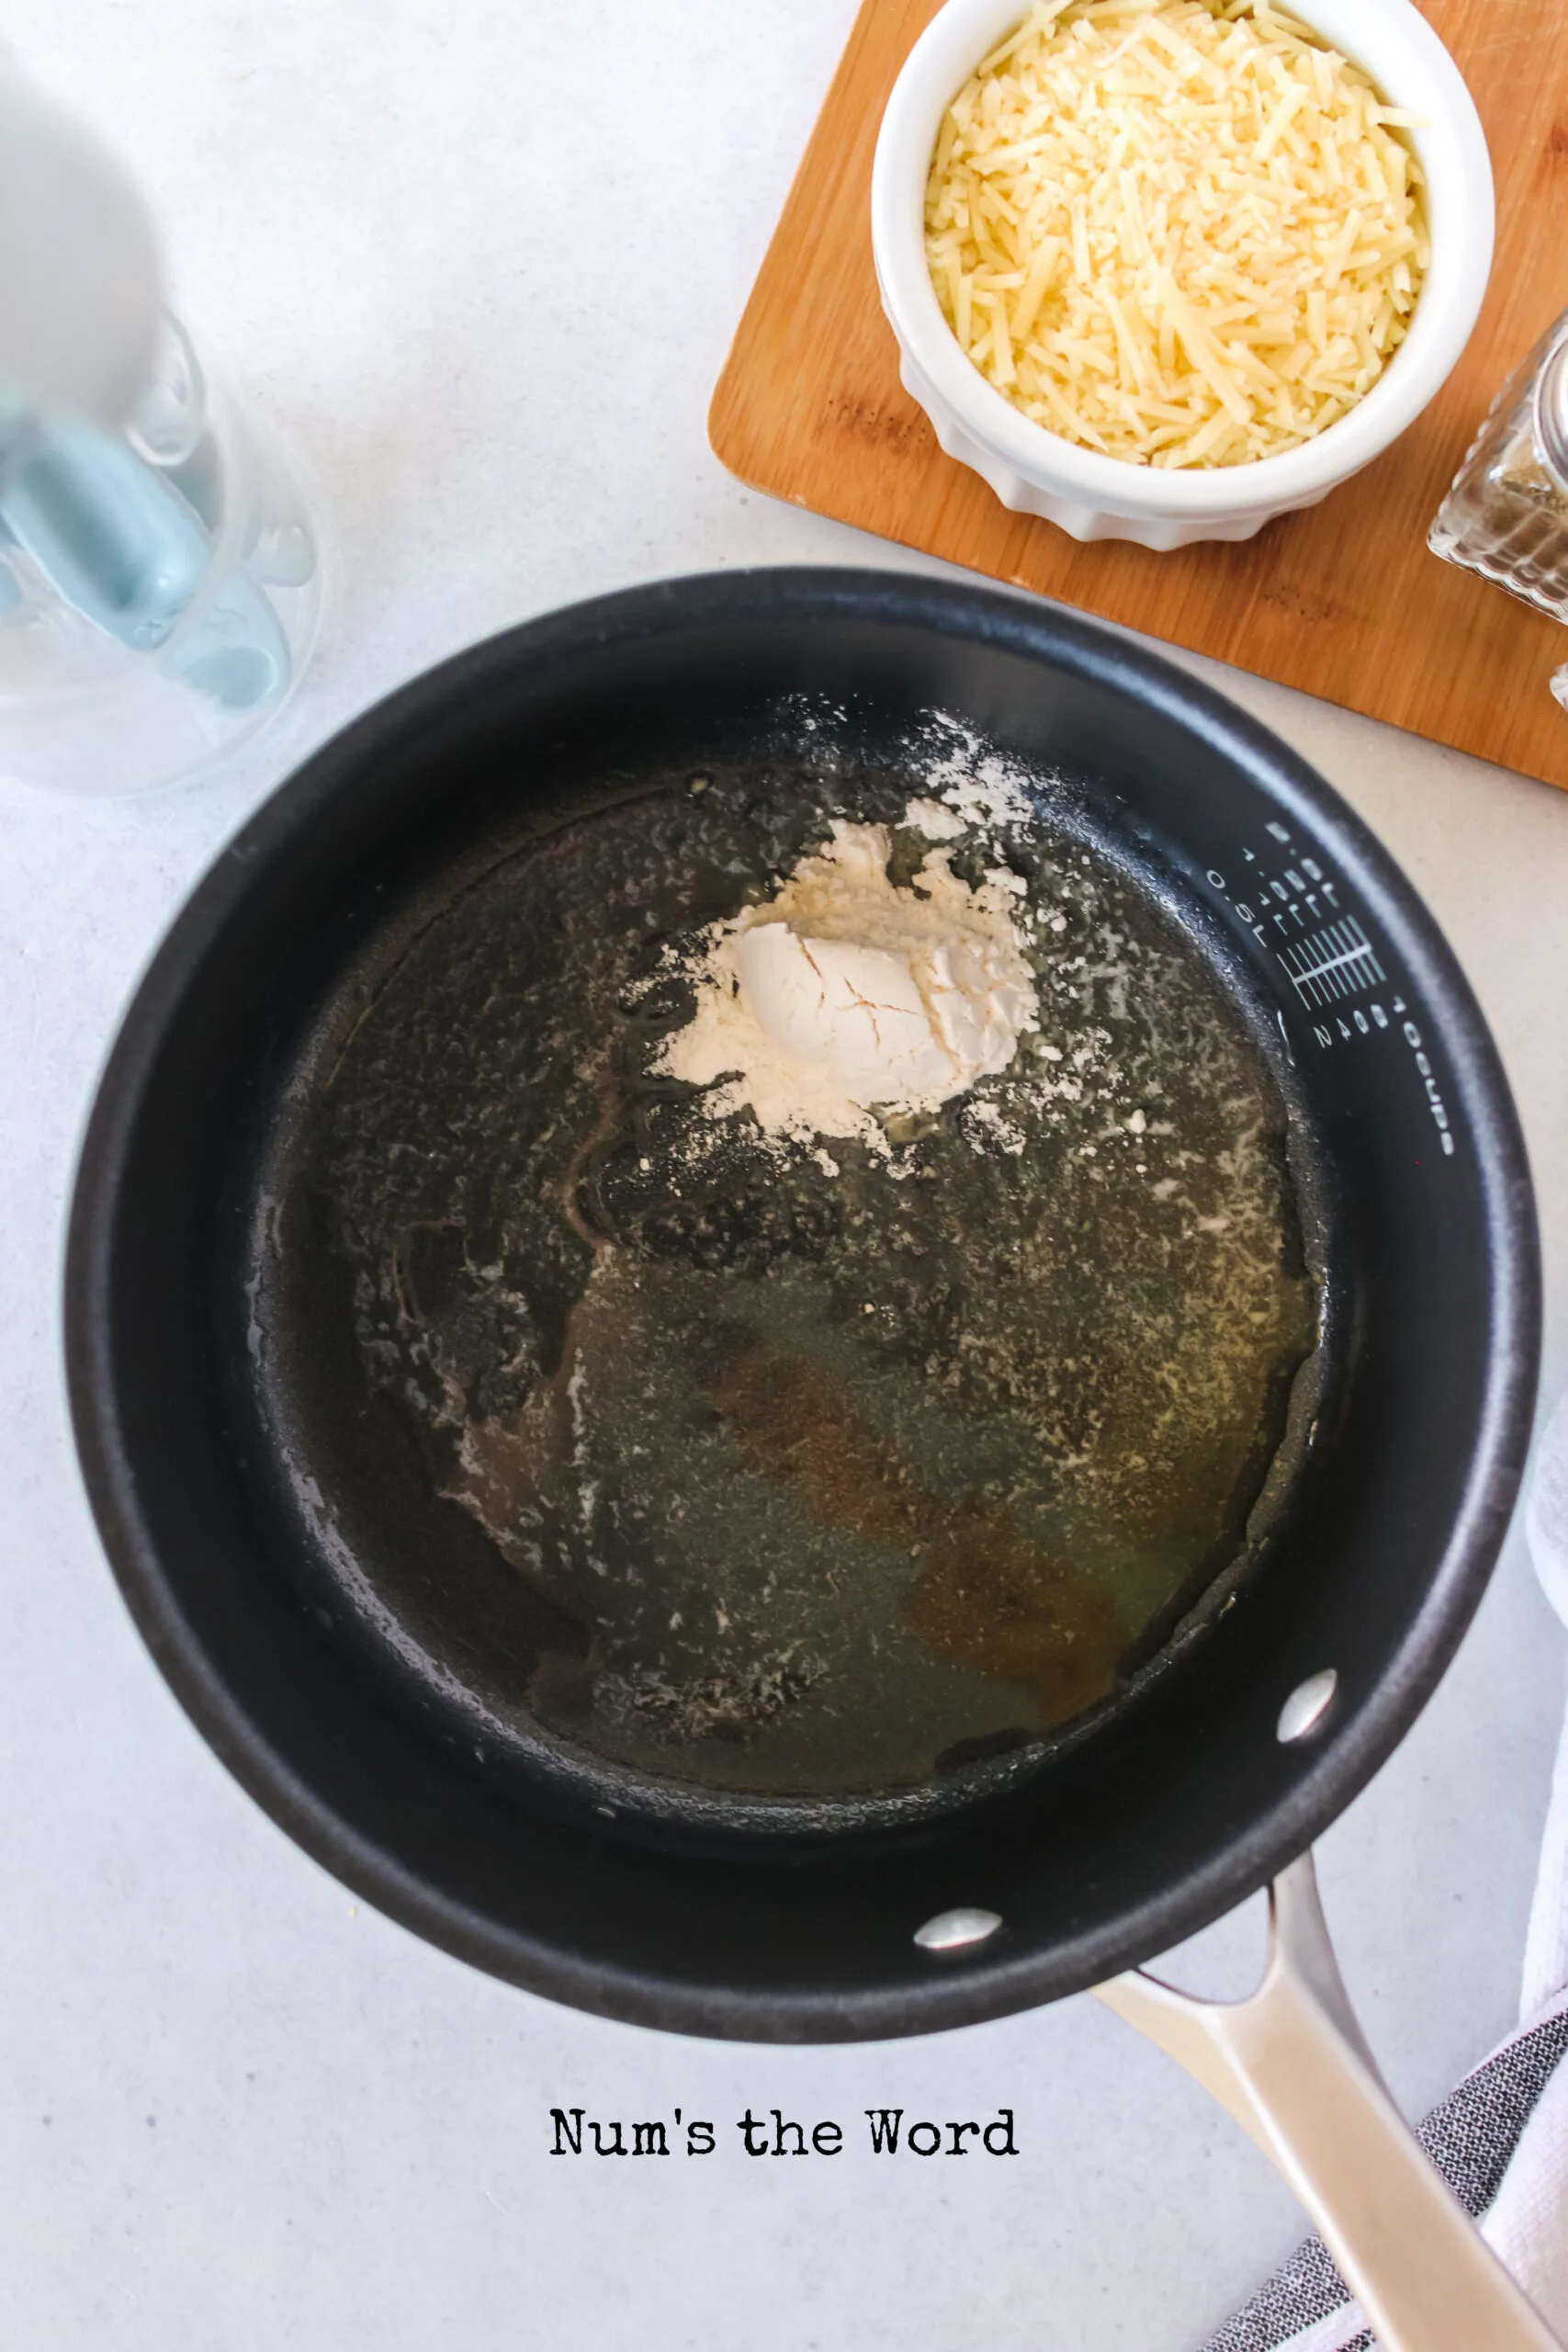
{"x": 731, "y": 1478}
{"x": 321, "y": 1646}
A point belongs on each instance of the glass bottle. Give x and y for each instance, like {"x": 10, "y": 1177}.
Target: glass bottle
{"x": 1507, "y": 515}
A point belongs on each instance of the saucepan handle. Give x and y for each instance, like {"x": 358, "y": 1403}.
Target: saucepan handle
{"x": 1291, "y": 2066}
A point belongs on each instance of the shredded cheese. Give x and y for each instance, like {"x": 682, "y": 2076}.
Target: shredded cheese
{"x": 1182, "y": 233}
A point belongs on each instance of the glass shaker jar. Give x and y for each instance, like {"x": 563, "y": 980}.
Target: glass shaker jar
{"x": 1507, "y": 515}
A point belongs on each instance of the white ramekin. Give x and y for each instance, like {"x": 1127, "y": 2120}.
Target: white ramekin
{"x": 1038, "y": 473}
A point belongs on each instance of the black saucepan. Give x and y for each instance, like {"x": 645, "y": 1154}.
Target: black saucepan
{"x": 794, "y": 1920}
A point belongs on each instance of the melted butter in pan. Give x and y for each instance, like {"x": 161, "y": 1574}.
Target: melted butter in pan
{"x": 827, "y": 1470}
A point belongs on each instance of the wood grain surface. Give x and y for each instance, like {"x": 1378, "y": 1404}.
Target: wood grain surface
{"x": 1343, "y": 601}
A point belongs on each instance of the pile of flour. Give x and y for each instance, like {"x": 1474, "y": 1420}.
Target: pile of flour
{"x": 845, "y": 996}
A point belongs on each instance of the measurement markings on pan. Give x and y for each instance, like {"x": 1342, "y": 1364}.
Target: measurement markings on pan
{"x": 1327, "y": 958}
{"x": 1332, "y": 964}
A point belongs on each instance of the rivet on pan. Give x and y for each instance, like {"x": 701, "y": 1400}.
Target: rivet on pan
{"x": 952, "y": 1930}
{"x": 1307, "y": 1705}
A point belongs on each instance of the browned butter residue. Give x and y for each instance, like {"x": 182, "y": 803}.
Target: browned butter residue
{"x": 983, "y": 1593}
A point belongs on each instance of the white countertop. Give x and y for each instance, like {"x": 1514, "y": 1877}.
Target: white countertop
{"x": 483, "y": 262}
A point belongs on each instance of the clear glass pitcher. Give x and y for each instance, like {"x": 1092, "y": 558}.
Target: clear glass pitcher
{"x": 161, "y": 585}
{"x": 161, "y": 579}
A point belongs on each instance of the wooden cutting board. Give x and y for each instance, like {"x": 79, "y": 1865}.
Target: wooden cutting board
{"x": 1343, "y": 601}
